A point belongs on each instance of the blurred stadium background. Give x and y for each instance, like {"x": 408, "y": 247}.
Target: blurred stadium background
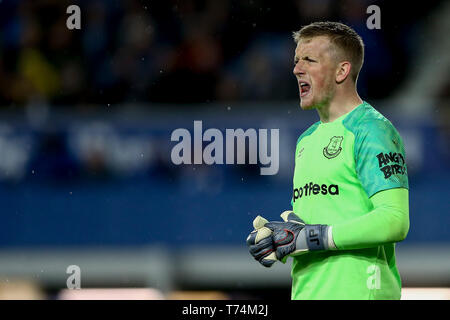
{"x": 85, "y": 122}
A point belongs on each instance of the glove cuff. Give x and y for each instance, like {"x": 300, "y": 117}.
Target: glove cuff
{"x": 316, "y": 236}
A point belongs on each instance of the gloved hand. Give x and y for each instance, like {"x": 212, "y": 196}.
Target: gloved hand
{"x": 260, "y": 243}
{"x": 292, "y": 236}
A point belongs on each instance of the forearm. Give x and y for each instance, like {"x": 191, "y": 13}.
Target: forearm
{"x": 387, "y": 222}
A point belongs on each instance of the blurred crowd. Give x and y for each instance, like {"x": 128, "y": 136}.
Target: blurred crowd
{"x": 94, "y": 168}
{"x": 186, "y": 51}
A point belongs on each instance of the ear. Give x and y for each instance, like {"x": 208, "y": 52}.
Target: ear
{"x": 343, "y": 71}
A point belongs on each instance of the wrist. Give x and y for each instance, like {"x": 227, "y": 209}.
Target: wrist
{"x": 316, "y": 236}
{"x": 330, "y": 241}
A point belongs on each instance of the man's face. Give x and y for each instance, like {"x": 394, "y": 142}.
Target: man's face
{"x": 315, "y": 70}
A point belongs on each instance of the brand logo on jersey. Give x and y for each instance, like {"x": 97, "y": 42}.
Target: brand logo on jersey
{"x": 391, "y": 163}
{"x": 314, "y": 189}
{"x": 334, "y": 147}
{"x": 300, "y": 152}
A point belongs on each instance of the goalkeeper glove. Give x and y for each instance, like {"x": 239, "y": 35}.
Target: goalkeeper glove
{"x": 260, "y": 243}
{"x": 293, "y": 237}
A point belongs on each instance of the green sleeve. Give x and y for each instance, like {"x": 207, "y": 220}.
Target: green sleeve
{"x": 379, "y": 154}
{"x": 388, "y": 222}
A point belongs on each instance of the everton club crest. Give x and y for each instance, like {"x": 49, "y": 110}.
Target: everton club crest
{"x": 334, "y": 147}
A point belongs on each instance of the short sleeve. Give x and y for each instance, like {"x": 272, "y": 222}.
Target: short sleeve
{"x": 380, "y": 157}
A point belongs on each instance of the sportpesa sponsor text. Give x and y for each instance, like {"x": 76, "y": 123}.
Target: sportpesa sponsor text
{"x": 314, "y": 189}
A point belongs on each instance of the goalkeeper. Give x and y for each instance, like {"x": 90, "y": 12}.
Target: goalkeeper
{"x": 350, "y": 186}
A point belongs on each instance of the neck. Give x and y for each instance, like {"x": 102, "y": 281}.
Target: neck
{"x": 339, "y": 105}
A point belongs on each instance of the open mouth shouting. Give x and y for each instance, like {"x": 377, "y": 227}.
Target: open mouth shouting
{"x": 305, "y": 88}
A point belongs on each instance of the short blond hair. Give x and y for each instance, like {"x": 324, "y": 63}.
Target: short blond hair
{"x": 344, "y": 38}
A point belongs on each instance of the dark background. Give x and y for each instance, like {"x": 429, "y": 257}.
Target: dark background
{"x": 86, "y": 117}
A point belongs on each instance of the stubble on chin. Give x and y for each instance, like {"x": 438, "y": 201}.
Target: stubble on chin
{"x": 309, "y": 106}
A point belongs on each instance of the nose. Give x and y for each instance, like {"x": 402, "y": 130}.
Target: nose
{"x": 298, "y": 70}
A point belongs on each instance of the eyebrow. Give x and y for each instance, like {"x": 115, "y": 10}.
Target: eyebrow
{"x": 307, "y": 58}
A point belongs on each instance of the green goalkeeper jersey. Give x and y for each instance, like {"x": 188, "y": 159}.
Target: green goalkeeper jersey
{"x": 339, "y": 166}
